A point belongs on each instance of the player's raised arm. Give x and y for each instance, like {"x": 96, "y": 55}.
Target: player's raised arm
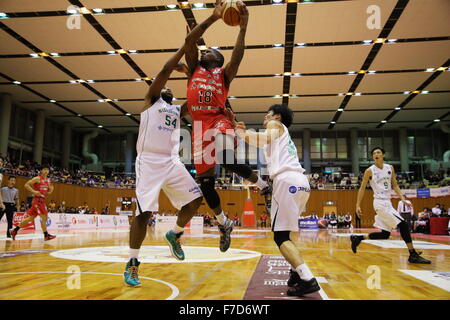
{"x": 362, "y": 189}
{"x": 232, "y": 67}
{"x": 259, "y": 139}
{"x": 154, "y": 92}
{"x": 196, "y": 34}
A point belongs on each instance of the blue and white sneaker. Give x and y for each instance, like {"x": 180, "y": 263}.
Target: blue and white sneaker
{"x": 173, "y": 240}
{"x": 130, "y": 275}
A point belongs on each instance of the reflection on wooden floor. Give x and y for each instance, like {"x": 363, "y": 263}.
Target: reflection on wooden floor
{"x": 33, "y": 269}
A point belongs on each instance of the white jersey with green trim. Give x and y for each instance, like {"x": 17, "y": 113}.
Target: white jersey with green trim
{"x": 159, "y": 129}
{"x": 281, "y": 155}
{"x": 381, "y": 181}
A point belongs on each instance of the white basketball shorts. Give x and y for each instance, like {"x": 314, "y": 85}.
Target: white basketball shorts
{"x": 387, "y": 218}
{"x": 290, "y": 194}
{"x": 155, "y": 172}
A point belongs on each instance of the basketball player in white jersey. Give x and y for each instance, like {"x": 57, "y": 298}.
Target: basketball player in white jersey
{"x": 158, "y": 166}
{"x": 382, "y": 180}
{"x": 290, "y": 190}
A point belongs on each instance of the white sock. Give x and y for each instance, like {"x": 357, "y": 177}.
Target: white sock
{"x": 177, "y": 229}
{"x": 221, "y": 218}
{"x": 134, "y": 253}
{"x": 261, "y": 184}
{"x": 304, "y": 272}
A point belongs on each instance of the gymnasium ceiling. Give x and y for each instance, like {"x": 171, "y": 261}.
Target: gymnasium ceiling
{"x": 328, "y": 60}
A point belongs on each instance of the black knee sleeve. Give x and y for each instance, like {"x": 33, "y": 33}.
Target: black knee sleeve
{"x": 383, "y": 235}
{"x": 281, "y": 236}
{"x": 404, "y": 231}
{"x": 209, "y": 192}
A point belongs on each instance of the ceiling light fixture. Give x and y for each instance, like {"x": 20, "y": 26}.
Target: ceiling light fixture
{"x": 397, "y": 108}
{"x": 383, "y": 121}
{"x": 97, "y": 10}
{"x": 34, "y": 55}
{"x": 54, "y": 54}
{"x": 437, "y": 120}
{"x": 3, "y": 15}
{"x": 85, "y": 10}
{"x": 340, "y": 110}
{"x": 277, "y": 45}
{"x": 52, "y": 101}
{"x": 171, "y": 6}
{"x": 333, "y": 122}
{"x": 17, "y": 82}
{"x": 198, "y": 5}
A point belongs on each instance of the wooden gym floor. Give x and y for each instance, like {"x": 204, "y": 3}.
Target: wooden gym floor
{"x": 29, "y": 268}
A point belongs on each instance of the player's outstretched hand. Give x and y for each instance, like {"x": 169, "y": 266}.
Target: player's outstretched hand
{"x": 358, "y": 211}
{"x": 243, "y": 11}
{"x": 218, "y": 10}
{"x": 240, "y": 126}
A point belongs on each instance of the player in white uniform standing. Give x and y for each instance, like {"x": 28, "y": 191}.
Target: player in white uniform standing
{"x": 158, "y": 166}
{"x": 382, "y": 181}
{"x": 290, "y": 190}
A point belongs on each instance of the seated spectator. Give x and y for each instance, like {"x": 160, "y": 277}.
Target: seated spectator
{"x": 348, "y": 220}
{"x": 314, "y": 216}
{"x": 263, "y": 220}
{"x": 236, "y": 219}
{"x": 423, "y": 223}
{"x": 62, "y": 207}
{"x": 52, "y": 206}
{"x": 436, "y": 211}
{"x": 333, "y": 221}
{"x": 23, "y": 207}
{"x": 341, "y": 221}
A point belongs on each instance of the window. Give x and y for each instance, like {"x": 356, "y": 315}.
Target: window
{"x": 315, "y": 148}
{"x": 362, "y": 148}
{"x": 328, "y": 148}
{"x": 342, "y": 148}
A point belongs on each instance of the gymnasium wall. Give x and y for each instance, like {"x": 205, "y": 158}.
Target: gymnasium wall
{"x": 232, "y": 201}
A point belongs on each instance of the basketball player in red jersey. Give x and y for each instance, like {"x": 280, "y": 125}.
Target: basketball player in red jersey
{"x": 207, "y": 91}
{"x": 39, "y": 186}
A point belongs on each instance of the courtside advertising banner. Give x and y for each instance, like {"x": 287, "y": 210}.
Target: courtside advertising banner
{"x": 308, "y": 223}
{"x": 19, "y": 217}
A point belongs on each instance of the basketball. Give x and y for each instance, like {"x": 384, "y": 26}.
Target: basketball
{"x": 231, "y": 14}
{"x": 323, "y": 223}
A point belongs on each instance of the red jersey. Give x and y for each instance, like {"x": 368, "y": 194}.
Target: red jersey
{"x": 42, "y": 186}
{"x": 206, "y": 95}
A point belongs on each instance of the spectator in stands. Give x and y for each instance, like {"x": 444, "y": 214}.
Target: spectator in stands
{"x": 23, "y": 207}
{"x": 326, "y": 217}
{"x": 348, "y": 220}
{"x": 107, "y": 207}
{"x": 444, "y": 212}
{"x": 436, "y": 210}
{"x": 333, "y": 221}
{"x": 52, "y": 206}
{"x": 314, "y": 216}
{"x": 236, "y": 219}
{"x": 94, "y": 211}
{"x": 341, "y": 221}
{"x": 263, "y": 220}
{"x": 62, "y": 207}
{"x": 423, "y": 224}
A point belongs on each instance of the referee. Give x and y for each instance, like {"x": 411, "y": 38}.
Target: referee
{"x": 10, "y": 196}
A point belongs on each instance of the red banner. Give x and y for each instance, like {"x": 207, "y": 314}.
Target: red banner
{"x": 19, "y": 217}
{"x": 248, "y": 214}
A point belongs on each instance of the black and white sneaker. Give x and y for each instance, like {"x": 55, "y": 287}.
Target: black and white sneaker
{"x": 225, "y": 235}
{"x": 304, "y": 287}
{"x": 356, "y": 240}
{"x": 294, "y": 278}
{"x": 416, "y": 258}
